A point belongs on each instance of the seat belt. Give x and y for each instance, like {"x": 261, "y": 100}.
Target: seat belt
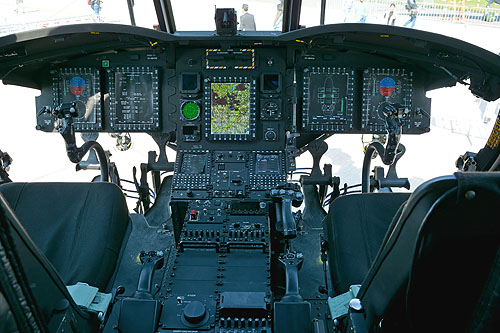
{"x": 89, "y": 298}
{"x": 339, "y": 305}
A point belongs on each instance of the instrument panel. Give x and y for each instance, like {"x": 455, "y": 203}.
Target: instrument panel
{"x": 383, "y": 86}
{"x": 79, "y": 85}
{"x": 134, "y": 97}
{"x": 327, "y": 103}
{"x": 209, "y": 96}
{"x": 230, "y": 108}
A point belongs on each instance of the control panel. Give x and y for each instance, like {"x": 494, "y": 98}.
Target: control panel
{"x": 134, "y": 98}
{"x": 82, "y": 86}
{"x": 236, "y": 116}
{"x": 327, "y": 103}
{"x": 238, "y": 97}
{"x": 383, "y": 86}
{"x": 228, "y": 174}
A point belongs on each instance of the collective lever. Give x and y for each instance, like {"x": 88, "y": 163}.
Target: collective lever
{"x": 151, "y": 261}
{"x": 292, "y": 262}
{"x": 284, "y": 198}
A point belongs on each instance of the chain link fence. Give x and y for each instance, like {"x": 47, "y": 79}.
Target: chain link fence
{"x": 454, "y": 13}
{"x": 26, "y": 26}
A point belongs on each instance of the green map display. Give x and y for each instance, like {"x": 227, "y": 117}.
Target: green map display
{"x": 230, "y": 108}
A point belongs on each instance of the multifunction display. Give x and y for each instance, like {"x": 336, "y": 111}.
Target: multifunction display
{"x": 193, "y": 163}
{"x": 267, "y": 164}
{"x": 134, "y": 99}
{"x": 79, "y": 85}
{"x": 383, "y": 86}
{"x": 327, "y": 99}
{"x": 230, "y": 109}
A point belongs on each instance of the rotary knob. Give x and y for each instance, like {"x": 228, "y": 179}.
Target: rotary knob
{"x": 270, "y": 135}
{"x": 194, "y": 312}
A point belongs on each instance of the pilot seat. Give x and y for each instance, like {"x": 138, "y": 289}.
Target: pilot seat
{"x": 356, "y": 228}
{"x": 79, "y": 227}
{"x": 434, "y": 270}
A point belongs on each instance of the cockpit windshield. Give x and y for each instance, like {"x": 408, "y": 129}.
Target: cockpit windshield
{"x": 471, "y": 21}
{"x": 468, "y": 20}
{"x": 253, "y": 15}
{"x": 24, "y": 15}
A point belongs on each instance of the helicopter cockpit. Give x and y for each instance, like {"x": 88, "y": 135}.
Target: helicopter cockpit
{"x": 223, "y": 246}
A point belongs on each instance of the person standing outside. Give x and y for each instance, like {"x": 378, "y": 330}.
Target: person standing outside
{"x": 278, "y": 19}
{"x": 412, "y": 9}
{"x": 360, "y": 11}
{"x": 247, "y": 21}
{"x": 348, "y": 4}
{"x": 390, "y": 16}
{"x": 96, "y": 7}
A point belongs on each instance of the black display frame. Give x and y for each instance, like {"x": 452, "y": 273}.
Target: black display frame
{"x": 207, "y": 93}
{"x": 189, "y": 91}
{"x": 57, "y": 91}
{"x": 263, "y": 80}
{"x": 406, "y": 75}
{"x": 334, "y": 126}
{"x": 155, "y": 117}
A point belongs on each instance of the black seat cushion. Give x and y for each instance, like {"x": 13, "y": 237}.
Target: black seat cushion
{"x": 31, "y": 291}
{"x": 78, "y": 226}
{"x": 356, "y": 227}
{"x": 441, "y": 248}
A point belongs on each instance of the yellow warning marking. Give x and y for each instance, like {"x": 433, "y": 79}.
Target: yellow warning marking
{"x": 494, "y": 139}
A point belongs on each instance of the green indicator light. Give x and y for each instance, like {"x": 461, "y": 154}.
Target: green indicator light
{"x": 105, "y": 64}
{"x": 190, "y": 110}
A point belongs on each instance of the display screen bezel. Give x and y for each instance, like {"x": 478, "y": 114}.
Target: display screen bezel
{"x": 117, "y": 124}
{"x": 208, "y": 109}
{"x": 267, "y": 171}
{"x": 328, "y": 124}
{"x": 58, "y": 86}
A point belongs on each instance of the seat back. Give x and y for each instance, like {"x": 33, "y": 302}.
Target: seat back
{"x": 356, "y": 225}
{"x": 432, "y": 266}
{"x": 33, "y": 297}
{"x": 78, "y": 226}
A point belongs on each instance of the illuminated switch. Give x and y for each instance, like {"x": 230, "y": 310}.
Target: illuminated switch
{"x": 193, "y": 215}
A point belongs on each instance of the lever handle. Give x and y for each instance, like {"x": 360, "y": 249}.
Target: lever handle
{"x": 289, "y": 227}
{"x": 292, "y": 262}
{"x": 151, "y": 261}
